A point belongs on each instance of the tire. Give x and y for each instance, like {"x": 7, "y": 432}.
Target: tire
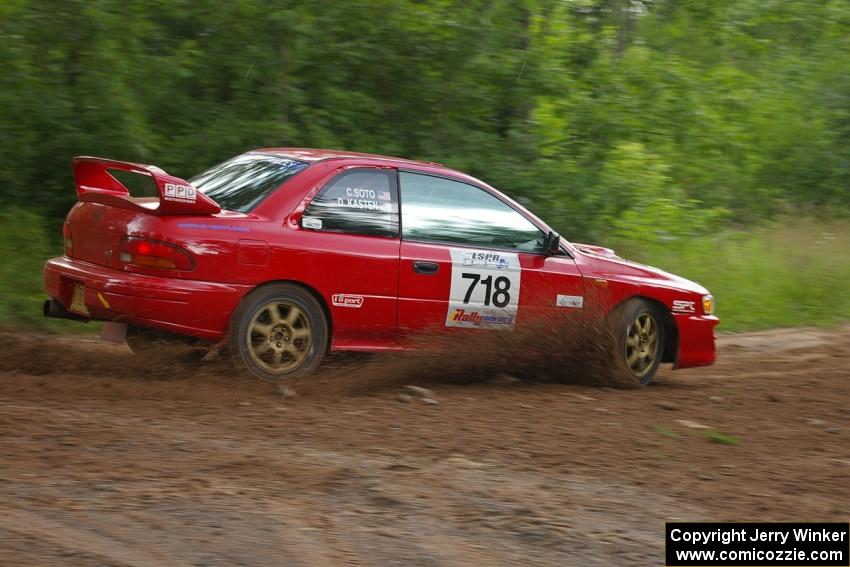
{"x": 639, "y": 339}
{"x": 278, "y": 331}
{"x": 164, "y": 346}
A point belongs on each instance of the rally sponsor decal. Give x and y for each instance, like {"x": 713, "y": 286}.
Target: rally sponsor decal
{"x": 574, "y": 301}
{"x": 213, "y": 226}
{"x": 346, "y": 300}
{"x": 484, "y": 289}
{"x": 311, "y": 223}
{"x": 684, "y": 306}
{"x": 181, "y": 193}
{"x": 366, "y": 200}
{"x": 478, "y": 318}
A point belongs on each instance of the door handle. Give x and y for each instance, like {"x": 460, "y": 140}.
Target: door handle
{"x": 426, "y": 268}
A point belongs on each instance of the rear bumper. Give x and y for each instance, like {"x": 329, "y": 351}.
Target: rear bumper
{"x": 190, "y": 307}
{"x": 696, "y": 340}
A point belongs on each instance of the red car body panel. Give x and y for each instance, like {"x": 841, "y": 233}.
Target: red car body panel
{"x": 427, "y": 298}
{"x": 373, "y": 297}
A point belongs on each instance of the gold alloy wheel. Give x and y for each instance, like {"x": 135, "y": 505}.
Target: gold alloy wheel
{"x": 642, "y": 344}
{"x": 279, "y": 337}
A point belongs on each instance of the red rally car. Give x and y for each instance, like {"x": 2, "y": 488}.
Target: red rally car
{"x": 282, "y": 254}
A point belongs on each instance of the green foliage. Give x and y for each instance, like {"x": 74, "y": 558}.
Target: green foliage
{"x": 649, "y": 209}
{"x": 658, "y": 124}
{"x": 720, "y": 106}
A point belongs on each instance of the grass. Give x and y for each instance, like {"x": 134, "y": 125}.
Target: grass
{"x": 721, "y": 438}
{"x": 780, "y": 276}
{"x": 786, "y": 275}
{"x": 24, "y": 246}
{"x": 665, "y": 431}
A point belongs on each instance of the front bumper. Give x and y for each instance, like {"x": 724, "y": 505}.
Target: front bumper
{"x": 189, "y": 307}
{"x": 696, "y": 340}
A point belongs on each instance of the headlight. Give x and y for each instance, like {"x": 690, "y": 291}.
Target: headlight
{"x": 708, "y": 304}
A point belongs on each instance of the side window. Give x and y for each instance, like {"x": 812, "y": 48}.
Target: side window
{"x": 357, "y": 201}
{"x": 442, "y": 210}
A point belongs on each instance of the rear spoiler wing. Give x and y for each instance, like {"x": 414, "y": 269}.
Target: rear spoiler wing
{"x": 96, "y": 184}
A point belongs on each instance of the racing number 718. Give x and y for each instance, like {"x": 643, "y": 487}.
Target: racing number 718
{"x": 500, "y": 297}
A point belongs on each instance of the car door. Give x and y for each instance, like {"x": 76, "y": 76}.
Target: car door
{"x": 471, "y": 260}
{"x": 350, "y": 244}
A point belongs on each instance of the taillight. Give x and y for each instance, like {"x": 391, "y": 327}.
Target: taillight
{"x": 155, "y": 254}
{"x": 66, "y": 238}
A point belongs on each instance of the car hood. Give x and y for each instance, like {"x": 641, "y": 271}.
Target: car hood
{"x": 595, "y": 250}
{"x": 606, "y": 264}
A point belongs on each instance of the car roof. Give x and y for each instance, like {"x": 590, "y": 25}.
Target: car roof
{"x": 313, "y": 155}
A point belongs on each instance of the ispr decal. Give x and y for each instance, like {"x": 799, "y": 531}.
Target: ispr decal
{"x": 484, "y": 289}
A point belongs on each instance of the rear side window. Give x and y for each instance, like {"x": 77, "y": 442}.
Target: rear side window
{"x": 357, "y": 201}
{"x": 239, "y": 184}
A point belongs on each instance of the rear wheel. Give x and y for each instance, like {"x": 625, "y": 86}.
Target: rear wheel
{"x": 279, "y": 331}
{"x": 639, "y": 331}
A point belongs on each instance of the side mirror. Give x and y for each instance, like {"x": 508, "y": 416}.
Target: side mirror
{"x": 553, "y": 243}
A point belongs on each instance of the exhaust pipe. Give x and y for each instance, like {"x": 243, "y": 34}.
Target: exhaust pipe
{"x": 53, "y": 308}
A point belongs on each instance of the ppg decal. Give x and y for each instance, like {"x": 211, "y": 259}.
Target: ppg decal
{"x": 182, "y": 193}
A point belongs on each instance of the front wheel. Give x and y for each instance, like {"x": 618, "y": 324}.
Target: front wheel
{"x": 279, "y": 331}
{"x": 639, "y": 331}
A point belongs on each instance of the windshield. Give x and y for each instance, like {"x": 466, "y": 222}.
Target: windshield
{"x": 239, "y": 184}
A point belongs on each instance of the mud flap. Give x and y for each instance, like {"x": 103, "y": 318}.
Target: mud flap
{"x": 113, "y": 332}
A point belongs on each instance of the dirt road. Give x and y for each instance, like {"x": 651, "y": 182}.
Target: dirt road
{"x": 106, "y": 462}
